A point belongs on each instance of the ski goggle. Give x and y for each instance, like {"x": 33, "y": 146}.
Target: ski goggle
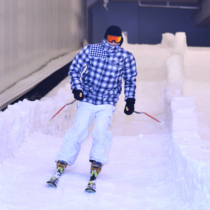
{"x": 111, "y": 38}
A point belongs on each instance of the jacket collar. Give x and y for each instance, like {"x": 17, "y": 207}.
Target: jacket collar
{"x": 108, "y": 47}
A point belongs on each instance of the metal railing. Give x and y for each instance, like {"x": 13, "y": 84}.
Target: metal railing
{"x": 168, "y": 6}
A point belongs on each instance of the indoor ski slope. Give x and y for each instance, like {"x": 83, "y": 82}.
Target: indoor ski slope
{"x": 149, "y": 168}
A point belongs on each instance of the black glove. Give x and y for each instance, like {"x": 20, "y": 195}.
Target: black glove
{"x": 78, "y": 94}
{"x": 129, "y": 107}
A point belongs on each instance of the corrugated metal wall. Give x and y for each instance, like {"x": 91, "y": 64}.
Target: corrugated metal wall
{"x": 32, "y": 32}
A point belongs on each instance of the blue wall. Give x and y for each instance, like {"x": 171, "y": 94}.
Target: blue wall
{"x": 146, "y": 25}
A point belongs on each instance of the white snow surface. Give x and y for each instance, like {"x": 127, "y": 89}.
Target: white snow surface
{"x": 152, "y": 166}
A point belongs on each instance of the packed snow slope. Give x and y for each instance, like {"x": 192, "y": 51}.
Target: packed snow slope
{"x": 147, "y": 169}
{"x": 136, "y": 176}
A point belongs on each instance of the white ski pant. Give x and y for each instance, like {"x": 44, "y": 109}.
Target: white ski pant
{"x": 102, "y": 137}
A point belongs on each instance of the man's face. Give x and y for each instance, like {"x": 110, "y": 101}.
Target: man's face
{"x": 113, "y": 43}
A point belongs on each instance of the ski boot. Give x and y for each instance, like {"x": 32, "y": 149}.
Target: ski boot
{"x": 61, "y": 165}
{"x": 95, "y": 170}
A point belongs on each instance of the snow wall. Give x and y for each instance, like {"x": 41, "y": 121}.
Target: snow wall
{"x": 24, "y": 117}
{"x": 189, "y": 155}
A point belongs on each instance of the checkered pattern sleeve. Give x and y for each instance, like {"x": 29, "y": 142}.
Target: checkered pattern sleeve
{"x": 77, "y": 67}
{"x": 129, "y": 76}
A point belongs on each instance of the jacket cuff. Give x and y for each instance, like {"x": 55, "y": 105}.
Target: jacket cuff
{"x": 76, "y": 90}
{"x": 130, "y": 100}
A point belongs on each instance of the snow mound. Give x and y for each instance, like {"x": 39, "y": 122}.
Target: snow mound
{"x": 180, "y": 43}
{"x": 177, "y": 42}
{"x": 167, "y": 40}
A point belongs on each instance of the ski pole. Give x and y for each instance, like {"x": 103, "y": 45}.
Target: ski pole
{"x": 134, "y": 111}
{"x": 61, "y": 109}
{"x": 148, "y": 116}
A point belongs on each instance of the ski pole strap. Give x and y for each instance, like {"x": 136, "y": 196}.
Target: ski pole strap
{"x": 147, "y": 115}
{"x": 70, "y": 103}
{"x": 139, "y": 112}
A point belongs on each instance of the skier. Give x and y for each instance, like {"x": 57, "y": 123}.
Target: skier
{"x": 107, "y": 63}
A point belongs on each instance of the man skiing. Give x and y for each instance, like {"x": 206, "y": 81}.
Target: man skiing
{"x": 98, "y": 92}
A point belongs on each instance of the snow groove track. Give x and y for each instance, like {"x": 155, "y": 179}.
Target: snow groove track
{"x": 135, "y": 178}
{"x": 138, "y": 174}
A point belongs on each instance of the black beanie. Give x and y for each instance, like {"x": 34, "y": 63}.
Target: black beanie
{"x": 114, "y": 31}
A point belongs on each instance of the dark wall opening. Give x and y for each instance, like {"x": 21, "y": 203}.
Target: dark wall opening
{"x": 44, "y": 87}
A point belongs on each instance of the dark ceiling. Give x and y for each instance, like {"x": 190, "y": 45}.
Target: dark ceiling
{"x": 164, "y": 1}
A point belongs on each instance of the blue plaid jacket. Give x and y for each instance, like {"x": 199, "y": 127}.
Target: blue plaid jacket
{"x": 102, "y": 80}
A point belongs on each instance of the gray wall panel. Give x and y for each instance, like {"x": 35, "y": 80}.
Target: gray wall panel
{"x": 2, "y": 44}
{"x": 7, "y": 42}
{"x": 32, "y": 32}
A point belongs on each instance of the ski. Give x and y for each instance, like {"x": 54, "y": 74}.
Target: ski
{"x": 91, "y": 187}
{"x": 61, "y": 165}
{"x": 53, "y": 181}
